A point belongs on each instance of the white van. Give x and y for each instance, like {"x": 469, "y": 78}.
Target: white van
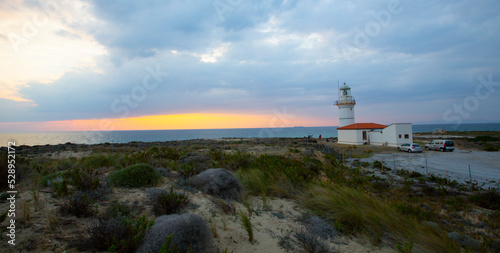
{"x": 441, "y": 145}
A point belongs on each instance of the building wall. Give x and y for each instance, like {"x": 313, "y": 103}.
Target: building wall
{"x": 353, "y": 137}
{"x": 376, "y": 137}
{"x": 346, "y": 115}
{"x": 396, "y": 134}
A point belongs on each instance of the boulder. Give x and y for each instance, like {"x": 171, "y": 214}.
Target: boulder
{"x": 464, "y": 240}
{"x": 218, "y": 182}
{"x": 190, "y": 232}
{"x": 195, "y": 158}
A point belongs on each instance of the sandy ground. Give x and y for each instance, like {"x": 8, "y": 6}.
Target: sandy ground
{"x": 485, "y": 166}
{"x": 271, "y": 222}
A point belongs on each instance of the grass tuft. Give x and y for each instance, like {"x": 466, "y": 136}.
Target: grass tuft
{"x": 138, "y": 175}
{"x": 247, "y": 224}
{"x": 166, "y": 202}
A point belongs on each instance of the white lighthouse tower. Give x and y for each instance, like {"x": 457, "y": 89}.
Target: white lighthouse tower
{"x": 346, "y": 105}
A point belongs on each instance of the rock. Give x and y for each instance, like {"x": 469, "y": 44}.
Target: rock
{"x": 163, "y": 171}
{"x": 193, "y": 158}
{"x": 398, "y": 179}
{"x": 431, "y": 224}
{"x": 318, "y": 227}
{"x": 464, "y": 240}
{"x": 190, "y": 232}
{"x": 218, "y": 182}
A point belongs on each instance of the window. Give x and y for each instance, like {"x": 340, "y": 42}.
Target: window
{"x": 364, "y": 136}
{"x": 399, "y": 136}
{"x": 407, "y": 136}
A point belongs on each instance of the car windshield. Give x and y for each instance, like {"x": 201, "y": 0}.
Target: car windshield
{"x": 449, "y": 143}
{"x": 416, "y": 145}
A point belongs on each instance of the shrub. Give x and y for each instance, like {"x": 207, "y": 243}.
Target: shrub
{"x": 216, "y": 155}
{"x": 78, "y": 204}
{"x": 116, "y": 209}
{"x": 378, "y": 165}
{"x": 414, "y": 174}
{"x": 116, "y": 234}
{"x": 190, "y": 232}
{"x": 239, "y": 160}
{"x": 488, "y": 199}
{"x": 490, "y": 148}
{"x": 166, "y": 202}
{"x": 138, "y": 175}
{"x": 186, "y": 171}
{"x": 53, "y": 177}
{"x": 84, "y": 180}
{"x": 311, "y": 243}
{"x": 171, "y": 153}
{"x": 218, "y": 182}
{"x": 98, "y": 161}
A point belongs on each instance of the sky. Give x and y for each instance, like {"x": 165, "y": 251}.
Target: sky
{"x": 73, "y": 65}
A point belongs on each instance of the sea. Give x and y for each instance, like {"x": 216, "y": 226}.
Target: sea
{"x": 95, "y": 137}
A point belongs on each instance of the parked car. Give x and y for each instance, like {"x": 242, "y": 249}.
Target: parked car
{"x": 410, "y": 147}
{"x": 441, "y": 145}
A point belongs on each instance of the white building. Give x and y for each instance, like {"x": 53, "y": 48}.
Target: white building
{"x": 367, "y": 133}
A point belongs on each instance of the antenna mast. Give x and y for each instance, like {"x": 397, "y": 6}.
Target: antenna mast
{"x": 338, "y": 89}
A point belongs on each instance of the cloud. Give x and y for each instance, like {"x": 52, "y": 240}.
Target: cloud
{"x": 258, "y": 56}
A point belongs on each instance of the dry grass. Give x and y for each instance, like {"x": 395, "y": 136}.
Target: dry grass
{"x": 354, "y": 211}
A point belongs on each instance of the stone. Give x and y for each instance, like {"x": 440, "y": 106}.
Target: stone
{"x": 190, "y": 232}
{"x": 218, "y": 182}
{"x": 464, "y": 240}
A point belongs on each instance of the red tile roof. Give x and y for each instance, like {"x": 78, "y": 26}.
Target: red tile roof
{"x": 362, "y": 126}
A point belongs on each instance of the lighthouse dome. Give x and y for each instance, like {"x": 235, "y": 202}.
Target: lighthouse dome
{"x": 345, "y": 87}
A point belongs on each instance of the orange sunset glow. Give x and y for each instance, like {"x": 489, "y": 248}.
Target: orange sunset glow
{"x": 176, "y": 121}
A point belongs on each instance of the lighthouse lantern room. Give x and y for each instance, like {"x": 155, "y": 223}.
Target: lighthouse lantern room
{"x": 346, "y": 105}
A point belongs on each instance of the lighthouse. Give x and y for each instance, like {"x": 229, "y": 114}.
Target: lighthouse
{"x": 346, "y": 105}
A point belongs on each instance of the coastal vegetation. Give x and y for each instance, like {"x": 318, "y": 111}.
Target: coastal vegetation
{"x": 109, "y": 192}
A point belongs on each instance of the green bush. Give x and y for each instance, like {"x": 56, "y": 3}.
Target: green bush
{"x": 138, "y": 175}
{"x": 378, "y": 165}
